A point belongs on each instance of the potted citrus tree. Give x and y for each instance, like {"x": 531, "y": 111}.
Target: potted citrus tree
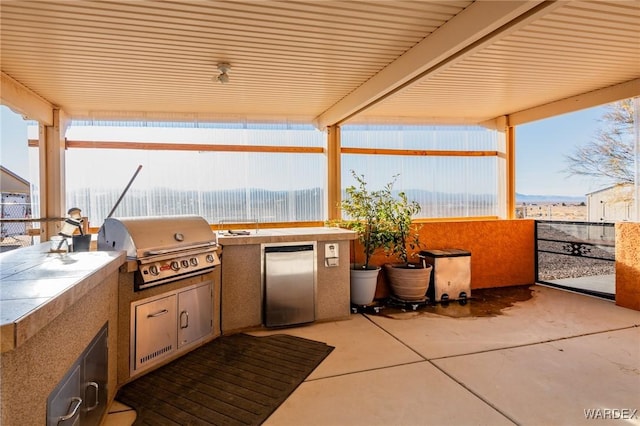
{"x": 409, "y": 281}
{"x": 363, "y": 214}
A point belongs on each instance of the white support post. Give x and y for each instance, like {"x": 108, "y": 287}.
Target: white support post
{"x": 52, "y": 173}
{"x": 506, "y": 168}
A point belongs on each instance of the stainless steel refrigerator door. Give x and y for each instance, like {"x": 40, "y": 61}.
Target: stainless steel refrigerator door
{"x": 289, "y": 284}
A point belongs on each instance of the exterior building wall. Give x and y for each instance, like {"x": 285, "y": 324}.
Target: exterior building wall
{"x": 12, "y": 183}
{"x": 15, "y": 203}
{"x": 614, "y": 204}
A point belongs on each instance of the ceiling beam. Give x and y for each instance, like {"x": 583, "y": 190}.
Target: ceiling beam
{"x": 629, "y": 89}
{"x": 468, "y": 31}
{"x": 25, "y": 101}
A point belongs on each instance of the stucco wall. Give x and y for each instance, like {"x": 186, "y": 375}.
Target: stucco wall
{"x": 628, "y": 265}
{"x": 32, "y": 371}
{"x": 502, "y": 251}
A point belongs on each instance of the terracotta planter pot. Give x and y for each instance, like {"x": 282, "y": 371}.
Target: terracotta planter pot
{"x": 408, "y": 283}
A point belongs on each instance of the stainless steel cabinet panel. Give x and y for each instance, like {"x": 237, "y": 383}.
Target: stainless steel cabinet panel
{"x": 81, "y": 396}
{"x": 95, "y": 371}
{"x": 195, "y": 314}
{"x": 166, "y": 325}
{"x": 289, "y": 284}
{"x": 154, "y": 332}
{"x": 63, "y": 405}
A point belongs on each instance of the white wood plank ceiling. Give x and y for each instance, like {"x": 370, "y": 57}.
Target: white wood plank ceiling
{"x": 325, "y": 62}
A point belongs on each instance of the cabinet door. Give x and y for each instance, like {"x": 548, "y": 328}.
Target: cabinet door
{"x": 289, "y": 284}
{"x": 155, "y": 331}
{"x": 95, "y": 370}
{"x": 63, "y": 405}
{"x": 195, "y": 316}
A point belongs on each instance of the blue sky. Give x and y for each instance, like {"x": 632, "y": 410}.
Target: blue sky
{"x": 540, "y": 150}
{"x": 541, "y": 147}
{"x": 13, "y": 145}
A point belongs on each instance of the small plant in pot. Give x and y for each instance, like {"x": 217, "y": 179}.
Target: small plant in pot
{"x": 408, "y": 281}
{"x": 367, "y": 219}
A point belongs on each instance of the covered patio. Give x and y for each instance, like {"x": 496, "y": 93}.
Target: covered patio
{"x": 491, "y": 65}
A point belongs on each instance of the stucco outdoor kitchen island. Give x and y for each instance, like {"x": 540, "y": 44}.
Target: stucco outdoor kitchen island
{"x": 242, "y": 273}
{"x": 52, "y": 306}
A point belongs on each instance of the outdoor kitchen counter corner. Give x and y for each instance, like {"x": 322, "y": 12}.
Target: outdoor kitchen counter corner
{"x": 36, "y": 286}
{"x": 242, "y": 276}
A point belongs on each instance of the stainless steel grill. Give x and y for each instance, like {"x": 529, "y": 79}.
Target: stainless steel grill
{"x": 165, "y": 248}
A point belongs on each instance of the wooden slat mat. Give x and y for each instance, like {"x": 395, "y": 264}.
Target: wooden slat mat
{"x": 233, "y": 380}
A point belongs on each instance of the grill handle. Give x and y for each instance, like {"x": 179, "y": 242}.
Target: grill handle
{"x": 158, "y": 314}
{"x": 176, "y": 249}
{"x": 185, "y": 315}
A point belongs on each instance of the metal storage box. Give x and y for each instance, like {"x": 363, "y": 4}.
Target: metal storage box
{"x": 451, "y": 274}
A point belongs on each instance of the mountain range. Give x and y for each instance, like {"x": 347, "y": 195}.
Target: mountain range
{"x": 526, "y": 198}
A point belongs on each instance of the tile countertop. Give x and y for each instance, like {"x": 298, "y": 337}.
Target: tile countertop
{"x": 36, "y": 286}
{"x": 281, "y": 235}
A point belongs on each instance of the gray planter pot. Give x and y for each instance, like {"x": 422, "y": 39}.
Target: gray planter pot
{"x": 363, "y": 285}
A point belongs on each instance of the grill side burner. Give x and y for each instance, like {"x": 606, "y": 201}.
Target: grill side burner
{"x": 165, "y": 248}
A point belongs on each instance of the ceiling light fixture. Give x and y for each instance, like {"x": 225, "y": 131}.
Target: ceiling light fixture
{"x": 223, "y": 77}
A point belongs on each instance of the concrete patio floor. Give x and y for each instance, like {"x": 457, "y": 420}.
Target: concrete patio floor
{"x": 544, "y": 361}
{"x": 605, "y": 284}
{"x": 553, "y": 359}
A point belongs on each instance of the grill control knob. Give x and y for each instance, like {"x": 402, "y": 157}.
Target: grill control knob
{"x": 175, "y": 265}
{"x": 194, "y": 261}
{"x": 184, "y": 263}
{"x": 153, "y": 270}
{"x": 210, "y": 258}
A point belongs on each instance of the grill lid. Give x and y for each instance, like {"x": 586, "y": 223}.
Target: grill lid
{"x": 142, "y": 237}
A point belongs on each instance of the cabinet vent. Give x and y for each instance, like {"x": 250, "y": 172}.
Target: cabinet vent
{"x": 155, "y": 354}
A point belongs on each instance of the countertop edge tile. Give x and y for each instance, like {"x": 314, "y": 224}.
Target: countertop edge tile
{"x": 13, "y": 334}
